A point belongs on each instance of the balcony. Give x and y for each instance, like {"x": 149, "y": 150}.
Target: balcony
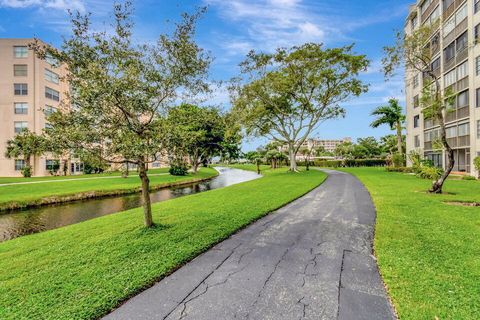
{"x": 429, "y": 10}
{"x": 459, "y": 29}
{"x": 447, "y": 12}
{"x": 458, "y": 86}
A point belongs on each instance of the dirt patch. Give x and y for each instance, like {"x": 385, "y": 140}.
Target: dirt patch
{"x": 463, "y": 203}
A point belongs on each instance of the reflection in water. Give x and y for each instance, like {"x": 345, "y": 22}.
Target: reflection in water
{"x": 35, "y": 220}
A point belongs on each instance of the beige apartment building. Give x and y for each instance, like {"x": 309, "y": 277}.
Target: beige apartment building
{"x": 328, "y": 144}
{"x": 456, "y": 57}
{"x": 30, "y": 88}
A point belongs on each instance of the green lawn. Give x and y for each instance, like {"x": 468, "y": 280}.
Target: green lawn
{"x": 84, "y": 270}
{"x": 428, "y": 251}
{"x": 20, "y": 195}
{"x": 50, "y": 178}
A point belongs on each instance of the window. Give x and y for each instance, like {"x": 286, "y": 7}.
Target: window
{"x": 477, "y": 98}
{"x": 49, "y": 110}
{"x": 446, "y": 4}
{"x": 19, "y": 164}
{"x": 464, "y": 129}
{"x": 451, "y": 132}
{"x": 20, "y": 108}
{"x": 50, "y": 60}
{"x": 476, "y": 6}
{"x": 425, "y": 5}
{"x": 20, "y": 89}
{"x": 448, "y": 27}
{"x": 52, "y": 94}
{"x": 462, "y": 41}
{"x": 461, "y": 14}
{"x": 462, "y": 71}
{"x": 416, "y": 121}
{"x": 477, "y": 32}
{"x": 416, "y": 101}
{"x": 48, "y": 125}
{"x": 51, "y": 165}
{"x": 478, "y": 129}
{"x": 477, "y": 64}
{"x": 450, "y": 78}
{"x": 20, "y": 70}
{"x": 462, "y": 99}
{"x": 415, "y": 81}
{"x": 414, "y": 22}
{"x": 51, "y": 76}
{"x": 20, "y": 51}
{"x": 434, "y": 16}
{"x": 20, "y": 126}
{"x": 417, "y": 141}
{"x": 449, "y": 52}
{"x": 436, "y": 64}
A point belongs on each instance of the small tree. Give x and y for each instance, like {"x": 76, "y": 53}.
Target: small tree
{"x": 306, "y": 153}
{"x": 391, "y": 115}
{"x": 119, "y": 91}
{"x": 287, "y": 94}
{"x": 414, "y": 52}
{"x": 199, "y": 130}
{"x": 254, "y": 157}
{"x": 27, "y": 145}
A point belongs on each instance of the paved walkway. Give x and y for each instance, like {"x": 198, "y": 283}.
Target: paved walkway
{"x": 309, "y": 260}
{"x": 76, "y": 179}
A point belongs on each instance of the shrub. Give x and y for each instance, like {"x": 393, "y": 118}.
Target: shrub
{"x": 27, "y": 171}
{"x": 400, "y": 169}
{"x": 178, "y": 170}
{"x": 431, "y": 173}
{"x": 468, "y": 178}
{"x": 398, "y": 160}
{"x": 351, "y": 163}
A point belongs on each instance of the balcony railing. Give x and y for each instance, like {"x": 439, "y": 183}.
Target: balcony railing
{"x": 447, "y": 12}
{"x": 429, "y": 10}
{"x": 458, "y": 86}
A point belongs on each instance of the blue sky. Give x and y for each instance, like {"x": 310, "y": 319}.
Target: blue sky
{"x": 232, "y": 27}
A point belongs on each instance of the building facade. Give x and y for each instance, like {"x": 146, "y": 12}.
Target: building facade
{"x": 328, "y": 144}
{"x": 456, "y": 61}
{"x": 30, "y": 89}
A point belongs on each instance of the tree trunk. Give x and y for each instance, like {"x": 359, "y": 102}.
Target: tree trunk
{"x": 292, "y": 156}
{"x": 399, "y": 138}
{"x": 438, "y": 184}
{"x": 258, "y": 166}
{"x": 195, "y": 166}
{"x": 147, "y": 206}
{"x": 307, "y": 163}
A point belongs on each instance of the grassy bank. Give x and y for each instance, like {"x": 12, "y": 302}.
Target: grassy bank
{"x": 84, "y": 270}
{"x": 16, "y": 196}
{"x": 428, "y": 251}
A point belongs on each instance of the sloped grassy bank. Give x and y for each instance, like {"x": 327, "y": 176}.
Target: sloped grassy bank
{"x": 83, "y": 271}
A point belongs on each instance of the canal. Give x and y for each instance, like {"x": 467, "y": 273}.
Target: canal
{"x": 22, "y": 222}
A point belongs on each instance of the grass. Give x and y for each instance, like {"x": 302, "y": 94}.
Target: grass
{"x": 24, "y": 195}
{"x": 428, "y": 251}
{"x": 50, "y": 178}
{"x": 85, "y": 270}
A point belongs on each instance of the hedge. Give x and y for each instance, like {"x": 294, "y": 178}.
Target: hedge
{"x": 351, "y": 163}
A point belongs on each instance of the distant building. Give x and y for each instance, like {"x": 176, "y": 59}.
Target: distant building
{"x": 328, "y": 144}
{"x": 31, "y": 88}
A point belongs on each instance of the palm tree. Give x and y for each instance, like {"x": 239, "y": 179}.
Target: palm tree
{"x": 392, "y": 114}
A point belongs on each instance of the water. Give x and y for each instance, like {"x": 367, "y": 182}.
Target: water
{"x": 23, "y": 222}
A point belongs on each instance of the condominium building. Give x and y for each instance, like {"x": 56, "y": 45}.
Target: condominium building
{"x": 30, "y": 88}
{"x": 328, "y": 144}
{"x": 456, "y": 60}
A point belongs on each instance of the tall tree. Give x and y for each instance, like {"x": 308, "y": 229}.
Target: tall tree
{"x": 119, "y": 91}
{"x": 287, "y": 94}
{"x": 391, "y": 115}
{"x": 26, "y": 144}
{"x": 414, "y": 52}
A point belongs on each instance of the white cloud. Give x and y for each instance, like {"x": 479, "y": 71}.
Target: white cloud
{"x": 45, "y": 4}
